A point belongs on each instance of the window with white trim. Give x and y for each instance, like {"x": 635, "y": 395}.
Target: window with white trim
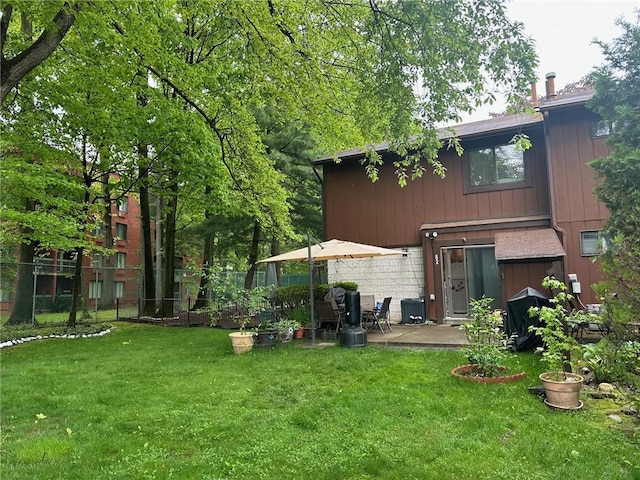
{"x": 593, "y": 243}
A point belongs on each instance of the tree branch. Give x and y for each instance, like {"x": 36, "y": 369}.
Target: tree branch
{"x": 15, "y": 69}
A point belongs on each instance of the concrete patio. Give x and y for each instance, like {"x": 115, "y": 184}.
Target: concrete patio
{"x": 425, "y": 336}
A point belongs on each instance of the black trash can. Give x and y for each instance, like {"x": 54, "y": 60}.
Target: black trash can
{"x": 352, "y": 308}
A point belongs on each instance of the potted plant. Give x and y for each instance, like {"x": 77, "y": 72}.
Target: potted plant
{"x": 243, "y": 306}
{"x": 300, "y": 316}
{"x": 266, "y": 334}
{"x": 286, "y": 327}
{"x": 561, "y": 386}
{"x": 487, "y": 345}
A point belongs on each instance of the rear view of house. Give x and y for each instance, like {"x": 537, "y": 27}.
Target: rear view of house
{"x": 500, "y": 220}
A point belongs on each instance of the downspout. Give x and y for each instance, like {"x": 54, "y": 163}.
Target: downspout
{"x": 551, "y": 182}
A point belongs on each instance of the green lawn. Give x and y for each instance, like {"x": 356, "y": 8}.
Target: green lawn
{"x": 148, "y": 402}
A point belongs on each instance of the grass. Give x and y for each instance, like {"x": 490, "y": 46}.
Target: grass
{"x": 148, "y": 402}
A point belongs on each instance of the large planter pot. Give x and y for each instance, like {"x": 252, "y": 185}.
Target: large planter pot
{"x": 299, "y": 333}
{"x": 469, "y": 373}
{"x": 562, "y": 390}
{"x": 242, "y": 342}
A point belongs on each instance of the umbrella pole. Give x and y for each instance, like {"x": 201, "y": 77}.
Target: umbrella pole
{"x": 313, "y": 321}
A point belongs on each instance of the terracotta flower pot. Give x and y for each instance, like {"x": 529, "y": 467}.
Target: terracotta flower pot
{"x": 562, "y": 390}
{"x": 470, "y": 373}
{"x": 299, "y": 333}
{"x": 242, "y": 342}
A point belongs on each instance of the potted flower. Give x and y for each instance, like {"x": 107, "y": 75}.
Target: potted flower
{"x": 561, "y": 386}
{"x": 487, "y": 345}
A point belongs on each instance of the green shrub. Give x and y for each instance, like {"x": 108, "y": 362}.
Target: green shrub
{"x": 486, "y": 341}
{"x": 296, "y": 295}
{"x": 612, "y": 362}
{"x": 62, "y": 303}
{"x": 300, "y": 315}
{"x": 348, "y": 286}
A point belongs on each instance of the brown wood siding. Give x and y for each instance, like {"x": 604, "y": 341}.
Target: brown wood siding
{"x": 570, "y": 149}
{"x": 384, "y": 214}
{"x": 516, "y": 276}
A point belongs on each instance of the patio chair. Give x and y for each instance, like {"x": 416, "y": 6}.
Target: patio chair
{"x": 329, "y": 314}
{"x": 379, "y": 316}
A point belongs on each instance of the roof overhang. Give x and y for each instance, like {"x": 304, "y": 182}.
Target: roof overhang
{"x": 466, "y": 131}
{"x": 528, "y": 245}
{"x": 570, "y": 100}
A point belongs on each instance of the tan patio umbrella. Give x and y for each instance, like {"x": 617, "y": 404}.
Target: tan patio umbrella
{"x": 332, "y": 250}
{"x": 329, "y": 250}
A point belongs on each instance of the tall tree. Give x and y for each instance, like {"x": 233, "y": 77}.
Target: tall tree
{"x": 617, "y": 101}
{"x": 346, "y": 69}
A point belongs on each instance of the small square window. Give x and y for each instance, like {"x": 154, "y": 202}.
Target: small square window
{"x": 593, "y": 243}
{"x": 121, "y": 231}
{"x": 599, "y": 128}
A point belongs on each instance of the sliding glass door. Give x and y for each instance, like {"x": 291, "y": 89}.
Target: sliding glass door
{"x": 468, "y": 273}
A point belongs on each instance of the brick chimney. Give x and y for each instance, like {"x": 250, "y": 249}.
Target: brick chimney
{"x": 534, "y": 96}
{"x": 550, "y": 85}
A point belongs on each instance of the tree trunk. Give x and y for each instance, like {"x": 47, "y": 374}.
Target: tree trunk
{"x": 108, "y": 262}
{"x": 77, "y": 275}
{"x": 207, "y": 260}
{"x": 275, "y": 250}
{"x": 170, "y": 251}
{"x": 159, "y": 262}
{"x": 77, "y": 288}
{"x": 149, "y": 282}
{"x": 23, "y": 304}
{"x": 253, "y": 256}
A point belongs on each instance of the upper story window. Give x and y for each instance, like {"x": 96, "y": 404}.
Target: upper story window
{"x": 599, "y": 128}
{"x": 121, "y": 259}
{"x": 495, "y": 165}
{"x": 498, "y": 167}
{"x": 121, "y": 231}
{"x": 123, "y": 205}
